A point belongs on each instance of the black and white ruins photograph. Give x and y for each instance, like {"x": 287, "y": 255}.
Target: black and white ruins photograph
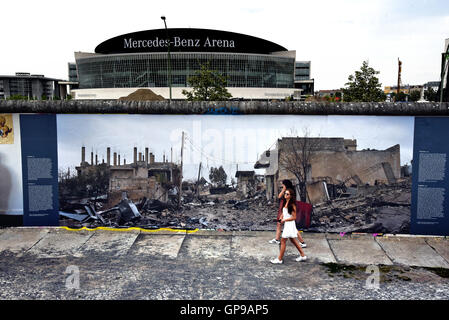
{"x": 225, "y": 172}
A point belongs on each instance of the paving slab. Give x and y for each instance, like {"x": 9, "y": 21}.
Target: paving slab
{"x": 257, "y": 247}
{"x": 111, "y": 242}
{"x": 441, "y": 246}
{"x": 318, "y": 248}
{"x": 206, "y": 247}
{"x": 60, "y": 243}
{"x": 19, "y": 240}
{"x": 366, "y": 236}
{"x": 338, "y": 236}
{"x": 156, "y": 244}
{"x": 360, "y": 251}
{"x": 269, "y": 234}
{"x": 212, "y": 233}
{"x": 412, "y": 252}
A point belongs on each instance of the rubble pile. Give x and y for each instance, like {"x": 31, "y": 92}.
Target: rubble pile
{"x": 226, "y": 213}
{"x": 373, "y": 209}
{"x": 370, "y": 209}
{"x": 214, "y": 211}
{"x": 147, "y": 213}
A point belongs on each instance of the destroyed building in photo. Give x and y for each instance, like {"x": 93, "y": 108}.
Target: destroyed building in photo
{"x": 248, "y": 183}
{"x": 141, "y": 178}
{"x": 332, "y": 162}
{"x": 351, "y": 190}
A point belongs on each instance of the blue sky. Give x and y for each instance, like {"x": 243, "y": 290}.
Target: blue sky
{"x": 337, "y": 36}
{"x": 218, "y": 140}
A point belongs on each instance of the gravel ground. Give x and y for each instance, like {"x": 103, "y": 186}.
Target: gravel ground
{"x": 154, "y": 278}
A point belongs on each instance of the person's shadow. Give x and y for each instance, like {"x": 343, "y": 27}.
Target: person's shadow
{"x": 5, "y": 188}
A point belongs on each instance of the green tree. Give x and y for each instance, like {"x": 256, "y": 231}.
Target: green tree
{"x": 400, "y": 97}
{"x": 208, "y": 85}
{"x": 363, "y": 86}
{"x": 431, "y": 95}
{"x": 218, "y": 176}
{"x": 414, "y": 95}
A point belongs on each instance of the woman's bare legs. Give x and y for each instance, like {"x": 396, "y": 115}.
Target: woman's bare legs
{"x": 295, "y": 242}
{"x": 300, "y": 237}
{"x": 278, "y": 231}
{"x": 282, "y": 251}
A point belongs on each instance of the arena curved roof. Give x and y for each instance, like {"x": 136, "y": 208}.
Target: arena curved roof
{"x": 187, "y": 40}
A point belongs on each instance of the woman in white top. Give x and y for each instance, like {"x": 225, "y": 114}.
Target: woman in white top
{"x": 288, "y": 218}
{"x": 285, "y": 184}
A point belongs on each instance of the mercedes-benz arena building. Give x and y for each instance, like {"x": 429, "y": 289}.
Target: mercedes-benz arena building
{"x": 255, "y": 68}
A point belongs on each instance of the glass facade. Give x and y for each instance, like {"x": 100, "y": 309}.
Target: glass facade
{"x": 20, "y": 86}
{"x": 30, "y": 86}
{"x": 73, "y": 75}
{"x": 302, "y": 70}
{"x": 150, "y": 69}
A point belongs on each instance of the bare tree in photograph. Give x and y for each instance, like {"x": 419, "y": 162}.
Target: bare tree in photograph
{"x": 295, "y": 154}
{"x": 218, "y": 176}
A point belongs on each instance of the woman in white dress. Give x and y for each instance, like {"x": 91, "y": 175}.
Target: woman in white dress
{"x": 286, "y": 184}
{"x": 288, "y": 218}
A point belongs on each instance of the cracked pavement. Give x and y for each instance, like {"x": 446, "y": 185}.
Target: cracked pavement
{"x": 213, "y": 265}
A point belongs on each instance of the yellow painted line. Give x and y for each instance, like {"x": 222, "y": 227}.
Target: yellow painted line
{"x": 129, "y": 229}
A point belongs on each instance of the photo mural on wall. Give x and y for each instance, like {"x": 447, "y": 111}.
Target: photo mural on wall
{"x": 127, "y": 170}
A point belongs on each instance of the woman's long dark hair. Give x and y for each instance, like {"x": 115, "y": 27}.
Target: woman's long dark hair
{"x": 292, "y": 201}
{"x": 288, "y": 184}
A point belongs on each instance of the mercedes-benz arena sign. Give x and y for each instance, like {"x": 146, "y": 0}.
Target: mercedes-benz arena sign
{"x": 255, "y": 68}
{"x": 187, "y": 40}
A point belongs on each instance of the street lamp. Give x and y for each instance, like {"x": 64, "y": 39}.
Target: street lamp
{"x": 169, "y": 60}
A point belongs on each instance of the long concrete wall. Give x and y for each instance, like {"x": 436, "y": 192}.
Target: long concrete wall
{"x": 228, "y": 107}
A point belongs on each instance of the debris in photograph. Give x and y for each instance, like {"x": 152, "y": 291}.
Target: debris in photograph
{"x": 349, "y": 190}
